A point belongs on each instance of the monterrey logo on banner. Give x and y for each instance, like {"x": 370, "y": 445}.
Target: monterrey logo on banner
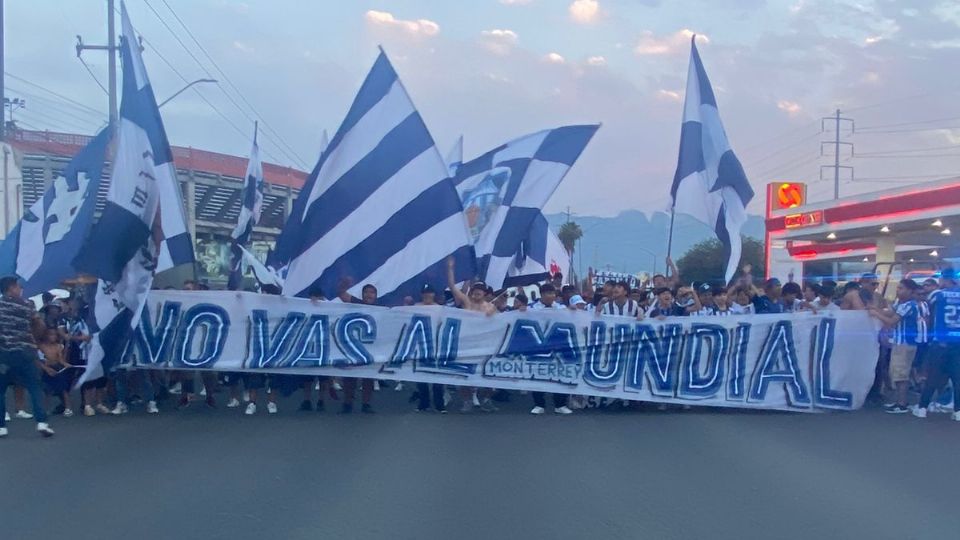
{"x": 786, "y": 362}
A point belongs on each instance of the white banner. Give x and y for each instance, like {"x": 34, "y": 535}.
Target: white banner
{"x": 798, "y": 362}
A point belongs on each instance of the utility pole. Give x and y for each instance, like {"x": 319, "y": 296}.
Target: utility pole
{"x": 111, "y": 48}
{"x": 3, "y": 38}
{"x": 836, "y": 142}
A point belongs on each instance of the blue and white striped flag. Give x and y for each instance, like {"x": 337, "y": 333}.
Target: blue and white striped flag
{"x": 541, "y": 255}
{"x": 503, "y": 191}
{"x": 709, "y": 184}
{"x": 250, "y": 207}
{"x": 455, "y": 156}
{"x": 142, "y": 228}
{"x": 41, "y": 248}
{"x": 378, "y": 207}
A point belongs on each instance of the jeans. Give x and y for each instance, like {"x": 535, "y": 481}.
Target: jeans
{"x": 540, "y": 399}
{"x": 423, "y": 392}
{"x": 944, "y": 363}
{"x": 21, "y": 367}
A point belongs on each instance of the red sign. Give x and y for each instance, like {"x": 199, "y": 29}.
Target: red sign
{"x": 790, "y": 195}
{"x": 806, "y": 219}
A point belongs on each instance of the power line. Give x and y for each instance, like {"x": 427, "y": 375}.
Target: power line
{"x": 931, "y": 121}
{"x": 912, "y": 130}
{"x": 784, "y": 149}
{"x": 230, "y": 82}
{"x": 909, "y": 150}
{"x": 57, "y": 106}
{"x": 93, "y": 76}
{"x": 914, "y": 156}
{"x": 51, "y": 92}
{"x": 183, "y": 45}
{"x": 905, "y": 177}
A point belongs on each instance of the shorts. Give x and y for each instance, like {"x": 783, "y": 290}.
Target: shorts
{"x": 254, "y": 381}
{"x": 901, "y": 360}
{"x": 99, "y": 384}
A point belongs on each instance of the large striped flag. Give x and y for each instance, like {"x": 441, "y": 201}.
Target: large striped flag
{"x": 709, "y": 184}
{"x": 378, "y": 207}
{"x": 41, "y": 248}
{"x": 250, "y": 207}
{"x": 142, "y": 228}
{"x": 504, "y": 190}
{"x": 455, "y": 156}
{"x": 541, "y": 255}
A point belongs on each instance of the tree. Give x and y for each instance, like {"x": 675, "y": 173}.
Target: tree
{"x": 706, "y": 261}
{"x": 569, "y": 233}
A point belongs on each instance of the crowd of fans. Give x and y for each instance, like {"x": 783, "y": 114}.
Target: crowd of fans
{"x": 43, "y": 353}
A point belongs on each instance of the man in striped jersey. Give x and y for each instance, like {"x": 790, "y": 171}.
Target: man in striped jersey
{"x": 943, "y": 353}
{"x": 620, "y": 303}
{"x": 909, "y": 330}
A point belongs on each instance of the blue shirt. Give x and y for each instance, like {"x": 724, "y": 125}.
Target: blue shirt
{"x": 763, "y": 304}
{"x": 945, "y": 311}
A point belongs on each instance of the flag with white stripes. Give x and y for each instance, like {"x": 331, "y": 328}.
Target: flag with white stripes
{"x": 455, "y": 156}
{"x": 250, "y": 207}
{"x": 541, "y": 256}
{"x": 41, "y": 248}
{"x": 503, "y": 191}
{"x": 378, "y": 207}
{"x": 709, "y": 184}
{"x": 142, "y": 226}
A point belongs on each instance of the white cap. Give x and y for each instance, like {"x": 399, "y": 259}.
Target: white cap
{"x": 577, "y": 299}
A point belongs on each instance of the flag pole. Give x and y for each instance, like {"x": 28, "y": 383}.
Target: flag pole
{"x": 673, "y": 213}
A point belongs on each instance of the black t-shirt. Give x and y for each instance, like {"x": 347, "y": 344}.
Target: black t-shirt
{"x": 675, "y": 310}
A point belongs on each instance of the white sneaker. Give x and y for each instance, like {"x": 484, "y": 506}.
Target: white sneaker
{"x": 233, "y": 403}
{"x": 376, "y": 386}
{"x": 271, "y": 407}
{"x": 152, "y": 407}
{"x": 102, "y": 409}
{"x": 3, "y": 432}
{"x": 6, "y": 417}
{"x": 121, "y": 408}
{"x": 919, "y": 412}
{"x": 246, "y": 396}
{"x": 176, "y": 388}
{"x": 251, "y": 409}
{"x": 23, "y": 415}
{"x": 44, "y": 429}
{"x": 67, "y": 413}
{"x": 337, "y": 386}
{"x": 956, "y": 416}
{"x": 203, "y": 392}
{"x": 563, "y": 410}
{"x": 398, "y": 387}
{"x": 476, "y": 400}
{"x": 88, "y": 411}
{"x": 537, "y": 410}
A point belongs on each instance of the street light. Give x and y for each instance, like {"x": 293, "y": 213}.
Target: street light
{"x": 180, "y": 91}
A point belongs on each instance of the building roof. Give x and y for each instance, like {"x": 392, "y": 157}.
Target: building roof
{"x": 68, "y": 144}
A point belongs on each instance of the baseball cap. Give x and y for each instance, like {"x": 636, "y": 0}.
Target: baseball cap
{"x": 577, "y": 299}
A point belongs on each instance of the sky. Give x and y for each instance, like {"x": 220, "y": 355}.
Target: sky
{"x": 494, "y": 70}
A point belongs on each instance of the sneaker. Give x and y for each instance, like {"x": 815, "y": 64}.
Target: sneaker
{"x": 88, "y": 411}
{"x": 233, "y": 403}
{"x": 337, "y": 386}
{"x": 305, "y": 405}
{"x": 271, "y": 407}
{"x": 211, "y": 402}
{"x": 366, "y": 409}
{"x": 563, "y": 410}
{"x": 398, "y": 387}
{"x": 3, "y": 432}
{"x": 537, "y": 410}
{"x": 376, "y": 386}
{"x": 152, "y": 407}
{"x": 67, "y": 413}
{"x": 476, "y": 400}
{"x": 890, "y": 405}
{"x": 897, "y": 409}
{"x": 44, "y": 429}
{"x": 919, "y": 412}
{"x": 121, "y": 408}
{"x": 23, "y": 415}
{"x": 251, "y": 409}
{"x": 246, "y": 396}
{"x": 176, "y": 388}
{"x": 203, "y": 392}
{"x": 447, "y": 397}
{"x": 6, "y": 417}
{"x": 488, "y": 406}
{"x": 346, "y": 408}
{"x": 320, "y": 406}
{"x": 442, "y": 410}
{"x": 956, "y": 416}
{"x": 102, "y": 409}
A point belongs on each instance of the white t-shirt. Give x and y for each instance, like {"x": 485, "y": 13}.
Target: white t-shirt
{"x": 539, "y": 305}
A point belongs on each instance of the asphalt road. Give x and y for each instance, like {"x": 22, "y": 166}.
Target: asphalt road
{"x": 398, "y": 474}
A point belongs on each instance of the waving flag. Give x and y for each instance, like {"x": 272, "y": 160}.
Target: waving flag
{"x": 378, "y": 207}
{"x": 541, "y": 255}
{"x": 503, "y": 191}
{"x": 455, "y": 156}
{"x": 709, "y": 184}
{"x": 250, "y": 207}
{"x": 41, "y": 248}
{"x": 142, "y": 225}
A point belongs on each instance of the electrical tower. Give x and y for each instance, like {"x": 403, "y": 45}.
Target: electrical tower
{"x": 836, "y": 143}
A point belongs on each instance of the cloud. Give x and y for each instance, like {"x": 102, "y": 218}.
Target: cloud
{"x": 652, "y": 45}
{"x": 419, "y": 27}
{"x": 554, "y": 58}
{"x": 597, "y": 61}
{"x": 792, "y": 108}
{"x": 499, "y": 41}
{"x": 584, "y": 11}
{"x": 669, "y": 95}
